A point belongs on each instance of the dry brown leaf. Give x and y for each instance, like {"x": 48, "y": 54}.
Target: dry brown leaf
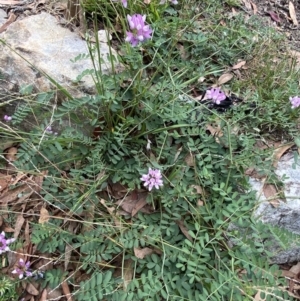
{"x": 184, "y": 230}
{"x": 54, "y": 294}
{"x": 142, "y": 252}
{"x": 182, "y": 51}
{"x": 11, "y": 19}
{"x": 139, "y": 204}
{"x": 44, "y": 295}
{"x": 44, "y": 216}
{"x": 224, "y": 78}
{"x": 280, "y": 151}
{"x": 117, "y": 190}
{"x": 271, "y": 192}
{"x": 200, "y": 203}
{"x": 254, "y": 7}
{"x": 239, "y": 65}
{"x": 31, "y": 289}
{"x": 112, "y": 212}
{"x": 289, "y": 274}
{"x": 190, "y": 160}
{"x": 295, "y": 269}
{"x": 215, "y": 131}
{"x": 89, "y": 214}
{"x": 177, "y": 153}
{"x": 12, "y": 194}
{"x": 66, "y": 291}
{"x": 27, "y": 235}
{"x": 18, "y": 225}
{"x": 25, "y": 195}
{"x": 128, "y": 272}
{"x": 247, "y": 4}
{"x": 134, "y": 202}
{"x": 293, "y": 13}
{"x": 198, "y": 189}
{"x": 5, "y": 180}
{"x": 11, "y": 154}
{"x": 38, "y": 180}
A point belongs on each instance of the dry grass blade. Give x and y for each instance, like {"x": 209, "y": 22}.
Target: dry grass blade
{"x": 293, "y": 13}
{"x": 127, "y": 273}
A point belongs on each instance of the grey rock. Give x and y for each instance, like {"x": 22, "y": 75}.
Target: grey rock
{"x": 287, "y": 215}
{"x": 3, "y": 17}
{"x": 46, "y": 45}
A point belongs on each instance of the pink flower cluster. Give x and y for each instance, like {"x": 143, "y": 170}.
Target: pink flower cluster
{"x": 4, "y": 243}
{"x": 139, "y": 30}
{"x": 216, "y": 95}
{"x": 7, "y": 118}
{"x": 22, "y": 269}
{"x": 152, "y": 179}
{"x": 295, "y": 101}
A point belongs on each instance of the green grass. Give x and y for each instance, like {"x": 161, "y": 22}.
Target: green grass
{"x": 93, "y": 166}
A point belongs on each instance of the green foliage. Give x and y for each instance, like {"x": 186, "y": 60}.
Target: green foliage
{"x": 7, "y": 289}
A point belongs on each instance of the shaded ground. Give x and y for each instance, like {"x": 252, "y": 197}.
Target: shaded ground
{"x": 280, "y": 14}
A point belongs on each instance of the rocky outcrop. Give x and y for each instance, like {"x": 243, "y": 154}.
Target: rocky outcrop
{"x": 38, "y": 44}
{"x": 285, "y": 214}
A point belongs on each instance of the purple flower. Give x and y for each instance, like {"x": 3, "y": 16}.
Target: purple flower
{"x": 22, "y": 269}
{"x": 295, "y": 101}
{"x": 152, "y": 179}
{"x": 48, "y": 129}
{"x": 7, "y": 118}
{"x": 216, "y": 95}
{"x": 4, "y": 243}
{"x": 139, "y": 30}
